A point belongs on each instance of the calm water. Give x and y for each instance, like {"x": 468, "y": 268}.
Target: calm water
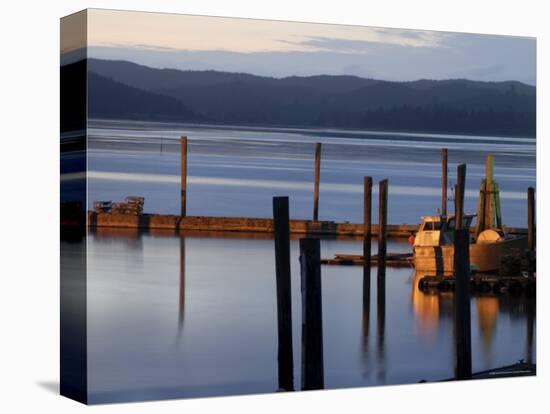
{"x": 236, "y": 172}
{"x": 172, "y": 316}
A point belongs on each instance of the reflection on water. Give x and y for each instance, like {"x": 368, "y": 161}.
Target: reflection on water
{"x": 181, "y": 287}
{"x": 187, "y": 315}
{"x": 487, "y": 314}
{"x": 432, "y": 309}
{"x": 366, "y": 315}
{"x": 426, "y": 308}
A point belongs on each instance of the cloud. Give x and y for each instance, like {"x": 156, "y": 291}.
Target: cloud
{"x": 398, "y": 38}
{"x": 413, "y": 38}
{"x": 333, "y": 45}
{"x": 377, "y": 38}
{"x": 181, "y": 32}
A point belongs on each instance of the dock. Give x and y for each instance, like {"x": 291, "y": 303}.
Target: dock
{"x": 392, "y": 260}
{"x": 236, "y": 224}
{"x": 246, "y": 225}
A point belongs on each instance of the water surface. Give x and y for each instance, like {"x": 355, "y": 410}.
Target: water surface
{"x": 237, "y": 171}
{"x": 194, "y": 314}
{"x": 185, "y": 316}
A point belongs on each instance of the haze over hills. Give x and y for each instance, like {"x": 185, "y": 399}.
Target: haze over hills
{"x": 108, "y": 98}
{"x": 120, "y": 89}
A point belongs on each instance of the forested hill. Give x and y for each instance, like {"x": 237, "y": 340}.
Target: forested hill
{"x": 452, "y": 106}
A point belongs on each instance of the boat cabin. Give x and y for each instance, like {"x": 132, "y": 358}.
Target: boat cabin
{"x": 439, "y": 230}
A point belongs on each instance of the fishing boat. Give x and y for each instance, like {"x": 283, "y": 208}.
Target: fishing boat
{"x": 489, "y": 243}
{"x": 434, "y": 245}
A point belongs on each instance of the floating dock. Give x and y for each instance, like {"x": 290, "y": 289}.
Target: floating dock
{"x": 392, "y": 260}
{"x": 245, "y": 224}
{"x": 236, "y": 224}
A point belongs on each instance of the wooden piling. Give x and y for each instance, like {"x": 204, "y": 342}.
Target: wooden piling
{"x": 367, "y": 236}
{"x": 316, "y": 184}
{"x": 458, "y": 220}
{"x": 382, "y": 247}
{"x": 489, "y": 167}
{"x": 459, "y": 194}
{"x": 367, "y": 240}
{"x": 382, "y": 227}
{"x": 489, "y": 195}
{"x": 462, "y": 322}
{"x": 531, "y": 230}
{"x": 481, "y": 208}
{"x": 183, "y": 143}
{"x": 531, "y": 302}
{"x": 531, "y": 219}
{"x": 284, "y": 303}
{"x": 312, "y": 317}
{"x": 444, "y": 171}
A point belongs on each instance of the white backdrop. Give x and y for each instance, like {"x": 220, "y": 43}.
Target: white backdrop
{"x": 29, "y": 194}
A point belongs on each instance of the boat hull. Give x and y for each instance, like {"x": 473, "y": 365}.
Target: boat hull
{"x": 484, "y": 257}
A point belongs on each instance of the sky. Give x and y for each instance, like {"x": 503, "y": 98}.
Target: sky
{"x": 280, "y": 48}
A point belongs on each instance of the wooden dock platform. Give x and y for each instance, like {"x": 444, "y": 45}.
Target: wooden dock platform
{"x": 236, "y": 224}
{"x": 392, "y": 260}
{"x": 245, "y": 224}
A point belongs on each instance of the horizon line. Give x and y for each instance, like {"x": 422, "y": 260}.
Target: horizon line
{"x": 78, "y": 51}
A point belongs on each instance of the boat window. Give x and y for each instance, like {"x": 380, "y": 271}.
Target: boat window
{"x": 432, "y": 225}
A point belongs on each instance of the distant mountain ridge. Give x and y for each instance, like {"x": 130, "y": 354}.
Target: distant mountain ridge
{"x": 454, "y": 105}
{"x": 112, "y": 99}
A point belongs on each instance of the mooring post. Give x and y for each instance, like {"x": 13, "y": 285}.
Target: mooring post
{"x": 444, "y": 181}
{"x": 489, "y": 192}
{"x": 316, "y": 184}
{"x": 531, "y": 230}
{"x": 312, "y": 316}
{"x": 367, "y": 235}
{"x": 462, "y": 323}
{"x": 367, "y": 239}
{"x": 459, "y": 195}
{"x": 183, "y": 142}
{"x": 530, "y": 328}
{"x": 382, "y": 227}
{"x": 382, "y": 245}
{"x": 462, "y": 320}
{"x": 281, "y": 235}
